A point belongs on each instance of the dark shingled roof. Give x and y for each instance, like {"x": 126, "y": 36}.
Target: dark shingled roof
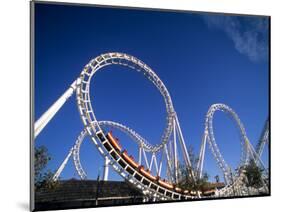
{"x": 75, "y": 193}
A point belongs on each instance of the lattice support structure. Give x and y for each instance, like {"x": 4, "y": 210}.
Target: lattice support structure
{"x": 171, "y": 144}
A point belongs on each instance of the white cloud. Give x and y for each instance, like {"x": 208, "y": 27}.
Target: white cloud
{"x": 249, "y": 34}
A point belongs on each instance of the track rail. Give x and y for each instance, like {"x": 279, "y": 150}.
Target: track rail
{"x": 76, "y": 149}
{"x": 212, "y": 141}
{"x": 83, "y": 92}
{"x": 127, "y": 171}
{"x": 151, "y": 186}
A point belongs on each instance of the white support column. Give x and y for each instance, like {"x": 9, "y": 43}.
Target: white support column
{"x": 60, "y": 169}
{"x": 171, "y": 152}
{"x": 169, "y": 167}
{"x": 175, "y": 152}
{"x": 151, "y": 162}
{"x": 49, "y": 114}
{"x": 201, "y": 156}
{"x": 140, "y": 152}
{"x": 185, "y": 153}
{"x": 155, "y": 163}
{"x": 106, "y": 169}
{"x": 160, "y": 164}
{"x": 145, "y": 158}
{"x": 254, "y": 155}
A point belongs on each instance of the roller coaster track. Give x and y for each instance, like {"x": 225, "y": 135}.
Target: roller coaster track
{"x": 120, "y": 165}
{"x": 210, "y": 137}
{"x": 131, "y": 133}
{"x": 167, "y": 148}
{"x": 264, "y": 139}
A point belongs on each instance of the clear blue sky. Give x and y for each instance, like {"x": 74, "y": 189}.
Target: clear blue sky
{"x": 201, "y": 58}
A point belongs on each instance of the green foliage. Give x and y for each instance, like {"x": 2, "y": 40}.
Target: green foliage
{"x": 187, "y": 181}
{"x": 253, "y": 174}
{"x": 42, "y": 178}
{"x": 193, "y": 158}
{"x": 41, "y": 159}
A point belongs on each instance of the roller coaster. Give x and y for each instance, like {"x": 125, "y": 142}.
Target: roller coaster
{"x": 145, "y": 172}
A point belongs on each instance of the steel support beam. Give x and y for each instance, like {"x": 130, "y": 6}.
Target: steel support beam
{"x": 58, "y": 172}
{"x": 184, "y": 149}
{"x": 49, "y": 114}
{"x": 106, "y": 169}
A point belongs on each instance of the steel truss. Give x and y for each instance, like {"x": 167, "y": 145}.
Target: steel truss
{"x": 171, "y": 142}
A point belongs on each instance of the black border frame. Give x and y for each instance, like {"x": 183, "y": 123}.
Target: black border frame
{"x": 32, "y": 90}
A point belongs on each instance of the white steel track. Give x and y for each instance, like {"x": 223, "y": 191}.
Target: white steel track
{"x": 167, "y": 150}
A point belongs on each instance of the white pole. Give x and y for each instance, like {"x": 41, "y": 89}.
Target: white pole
{"x": 106, "y": 169}
{"x": 140, "y": 151}
{"x": 145, "y": 158}
{"x": 201, "y": 156}
{"x": 185, "y": 153}
{"x": 58, "y": 172}
{"x": 175, "y": 152}
{"x": 168, "y": 161}
{"x": 155, "y": 163}
{"x": 160, "y": 165}
{"x": 49, "y": 114}
{"x": 151, "y": 162}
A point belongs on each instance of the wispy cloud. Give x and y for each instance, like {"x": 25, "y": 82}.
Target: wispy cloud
{"x": 249, "y": 34}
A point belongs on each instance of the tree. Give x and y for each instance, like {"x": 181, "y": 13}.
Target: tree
{"x": 42, "y": 178}
{"x": 253, "y": 174}
{"x": 187, "y": 181}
